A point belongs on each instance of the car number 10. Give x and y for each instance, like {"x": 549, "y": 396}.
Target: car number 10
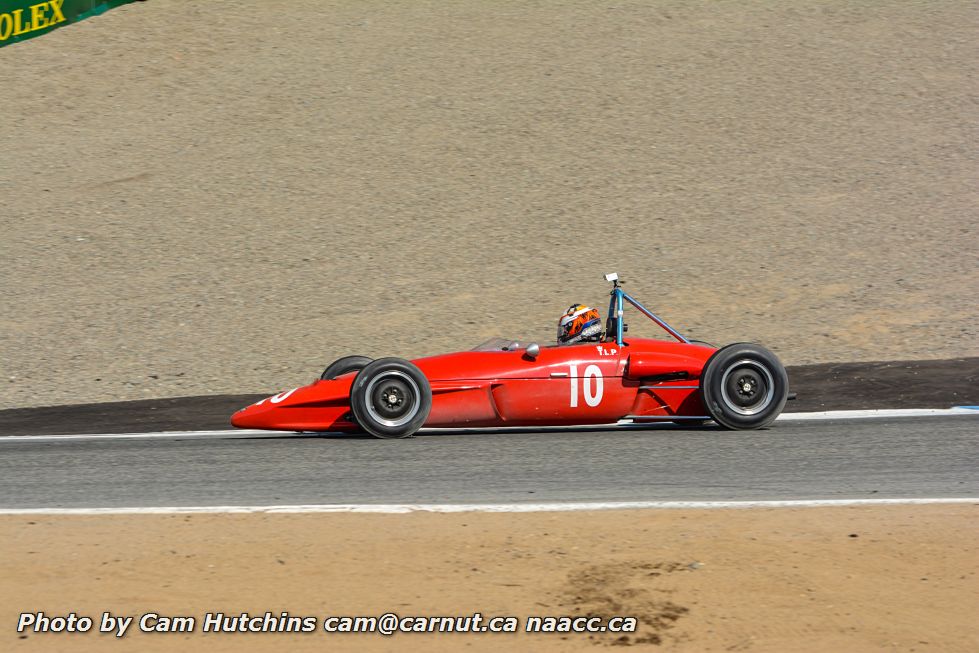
{"x": 591, "y": 372}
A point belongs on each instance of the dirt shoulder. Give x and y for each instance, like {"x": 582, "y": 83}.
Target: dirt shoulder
{"x": 857, "y": 579}
{"x": 193, "y": 191}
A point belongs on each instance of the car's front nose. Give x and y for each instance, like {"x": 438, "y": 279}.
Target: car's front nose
{"x": 260, "y": 415}
{"x": 251, "y": 417}
{"x": 320, "y": 406}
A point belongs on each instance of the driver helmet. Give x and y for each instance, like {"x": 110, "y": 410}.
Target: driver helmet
{"x": 579, "y": 323}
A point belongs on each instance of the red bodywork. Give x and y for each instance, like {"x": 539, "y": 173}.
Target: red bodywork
{"x": 595, "y": 383}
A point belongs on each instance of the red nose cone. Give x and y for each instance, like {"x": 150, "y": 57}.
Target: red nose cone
{"x": 247, "y": 418}
{"x": 260, "y": 415}
{"x": 256, "y": 416}
{"x": 320, "y": 406}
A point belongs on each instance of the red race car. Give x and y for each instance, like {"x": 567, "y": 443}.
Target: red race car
{"x": 505, "y": 383}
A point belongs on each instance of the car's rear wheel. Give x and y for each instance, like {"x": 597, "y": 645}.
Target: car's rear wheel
{"x": 391, "y": 398}
{"x": 344, "y": 365}
{"x": 744, "y": 386}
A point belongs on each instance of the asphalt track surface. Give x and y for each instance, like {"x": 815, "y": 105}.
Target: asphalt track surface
{"x": 881, "y": 458}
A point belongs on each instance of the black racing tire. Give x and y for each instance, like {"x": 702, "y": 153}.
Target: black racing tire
{"x": 391, "y": 398}
{"x": 744, "y": 386}
{"x": 344, "y": 365}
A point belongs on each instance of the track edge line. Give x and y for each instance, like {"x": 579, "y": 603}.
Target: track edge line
{"x": 488, "y": 507}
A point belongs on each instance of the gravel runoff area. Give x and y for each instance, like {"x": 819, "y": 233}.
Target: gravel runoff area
{"x": 892, "y": 578}
{"x": 222, "y": 197}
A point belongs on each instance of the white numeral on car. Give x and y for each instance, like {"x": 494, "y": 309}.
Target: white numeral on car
{"x": 591, "y": 372}
{"x": 282, "y": 396}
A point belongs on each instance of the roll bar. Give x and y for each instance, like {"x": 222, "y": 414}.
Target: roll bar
{"x": 615, "y": 312}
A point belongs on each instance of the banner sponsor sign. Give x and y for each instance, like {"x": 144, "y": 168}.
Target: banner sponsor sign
{"x": 24, "y": 19}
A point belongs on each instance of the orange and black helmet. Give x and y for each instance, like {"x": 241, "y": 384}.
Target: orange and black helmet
{"x": 579, "y": 323}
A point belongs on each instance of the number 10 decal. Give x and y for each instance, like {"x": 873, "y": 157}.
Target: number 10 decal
{"x": 591, "y": 372}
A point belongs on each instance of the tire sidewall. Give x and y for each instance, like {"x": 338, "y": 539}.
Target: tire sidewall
{"x": 359, "y": 399}
{"x": 712, "y": 379}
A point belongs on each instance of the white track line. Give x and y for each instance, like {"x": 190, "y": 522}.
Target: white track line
{"x": 786, "y": 417}
{"x": 878, "y": 412}
{"x": 483, "y": 507}
{"x": 167, "y": 435}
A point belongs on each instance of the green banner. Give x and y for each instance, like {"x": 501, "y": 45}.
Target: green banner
{"x": 24, "y": 19}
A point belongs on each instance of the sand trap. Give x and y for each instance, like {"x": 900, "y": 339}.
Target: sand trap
{"x": 817, "y": 579}
{"x": 192, "y": 190}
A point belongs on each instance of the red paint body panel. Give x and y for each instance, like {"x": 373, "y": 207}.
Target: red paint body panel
{"x": 593, "y": 383}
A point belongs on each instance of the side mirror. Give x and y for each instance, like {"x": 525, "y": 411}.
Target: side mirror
{"x": 532, "y": 351}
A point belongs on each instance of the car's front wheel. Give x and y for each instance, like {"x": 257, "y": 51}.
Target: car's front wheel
{"x": 744, "y": 386}
{"x": 391, "y": 398}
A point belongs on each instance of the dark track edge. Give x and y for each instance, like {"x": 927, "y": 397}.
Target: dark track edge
{"x": 824, "y": 386}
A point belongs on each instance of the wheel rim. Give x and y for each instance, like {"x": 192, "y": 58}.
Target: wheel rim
{"x": 747, "y": 387}
{"x": 392, "y": 398}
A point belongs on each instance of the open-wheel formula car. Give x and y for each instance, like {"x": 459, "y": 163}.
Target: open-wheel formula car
{"x": 505, "y": 383}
